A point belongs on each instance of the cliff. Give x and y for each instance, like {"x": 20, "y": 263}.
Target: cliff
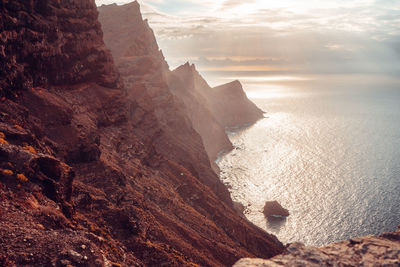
{"x": 134, "y": 47}
{"x": 383, "y": 250}
{"x": 212, "y": 110}
{"x": 159, "y": 116}
{"x": 228, "y": 103}
{"x": 187, "y": 84}
{"x": 98, "y": 170}
{"x": 46, "y": 42}
{"x": 232, "y": 107}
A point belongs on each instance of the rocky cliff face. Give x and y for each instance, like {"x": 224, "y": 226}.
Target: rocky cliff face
{"x": 232, "y": 107}
{"x": 212, "y": 109}
{"x": 144, "y": 75}
{"x": 136, "y": 52}
{"x": 103, "y": 176}
{"x": 381, "y": 250}
{"x": 187, "y": 84}
{"x": 228, "y": 103}
{"x": 52, "y": 42}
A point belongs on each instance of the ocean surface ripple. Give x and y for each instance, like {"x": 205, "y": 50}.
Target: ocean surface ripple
{"x": 329, "y": 154}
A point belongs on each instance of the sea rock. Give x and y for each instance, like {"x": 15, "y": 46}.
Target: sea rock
{"x": 273, "y": 208}
{"x": 383, "y": 250}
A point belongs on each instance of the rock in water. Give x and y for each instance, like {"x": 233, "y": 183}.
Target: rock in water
{"x": 273, "y": 208}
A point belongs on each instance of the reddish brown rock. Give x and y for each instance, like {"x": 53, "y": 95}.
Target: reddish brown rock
{"x": 383, "y": 250}
{"x": 112, "y": 175}
{"x": 52, "y": 42}
{"x": 160, "y": 115}
{"x": 273, "y": 208}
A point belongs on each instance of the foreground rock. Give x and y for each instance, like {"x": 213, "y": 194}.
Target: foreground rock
{"x": 381, "y": 250}
{"x": 273, "y": 208}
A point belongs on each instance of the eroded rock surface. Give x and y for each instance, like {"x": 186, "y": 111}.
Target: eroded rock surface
{"x": 95, "y": 175}
{"x": 187, "y": 84}
{"x": 383, "y": 250}
{"x": 52, "y": 42}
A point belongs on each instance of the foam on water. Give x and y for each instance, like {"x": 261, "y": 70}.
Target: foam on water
{"x": 328, "y": 150}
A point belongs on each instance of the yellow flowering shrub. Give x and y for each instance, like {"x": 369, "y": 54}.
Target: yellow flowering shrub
{"x": 18, "y": 127}
{"x": 30, "y": 149}
{"x": 7, "y": 172}
{"x": 22, "y": 178}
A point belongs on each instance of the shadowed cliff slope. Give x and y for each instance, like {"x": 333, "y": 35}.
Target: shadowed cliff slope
{"x": 136, "y": 52}
{"x": 160, "y": 117}
{"x": 102, "y": 176}
{"x": 52, "y": 42}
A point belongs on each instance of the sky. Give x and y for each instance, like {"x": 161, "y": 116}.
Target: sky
{"x": 285, "y": 36}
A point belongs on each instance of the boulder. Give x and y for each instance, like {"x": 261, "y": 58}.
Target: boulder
{"x": 273, "y": 208}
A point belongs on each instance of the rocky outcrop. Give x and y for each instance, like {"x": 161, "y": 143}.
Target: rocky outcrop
{"x": 160, "y": 117}
{"x": 52, "y": 43}
{"x": 273, "y": 208}
{"x": 103, "y": 176}
{"x": 187, "y": 84}
{"x": 139, "y": 59}
{"x": 383, "y": 250}
{"x": 232, "y": 107}
{"x": 213, "y": 109}
{"x": 228, "y": 103}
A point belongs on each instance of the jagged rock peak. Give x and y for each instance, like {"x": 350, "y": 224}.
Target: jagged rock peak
{"x": 126, "y": 33}
{"x": 235, "y": 83}
{"x": 187, "y": 67}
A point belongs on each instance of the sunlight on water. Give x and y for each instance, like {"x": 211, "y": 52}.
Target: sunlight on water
{"x": 264, "y": 79}
{"x": 329, "y": 155}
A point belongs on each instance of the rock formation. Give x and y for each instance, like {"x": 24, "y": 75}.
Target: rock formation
{"x": 232, "y": 107}
{"x": 273, "y": 208}
{"x": 134, "y": 47}
{"x": 228, "y": 103}
{"x": 187, "y": 84}
{"x": 213, "y": 109}
{"x": 381, "y": 250}
{"x": 48, "y": 42}
{"x": 97, "y": 170}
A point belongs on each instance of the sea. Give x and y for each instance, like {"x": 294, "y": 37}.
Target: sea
{"x": 327, "y": 149}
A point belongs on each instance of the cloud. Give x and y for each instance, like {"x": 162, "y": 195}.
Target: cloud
{"x": 301, "y": 35}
